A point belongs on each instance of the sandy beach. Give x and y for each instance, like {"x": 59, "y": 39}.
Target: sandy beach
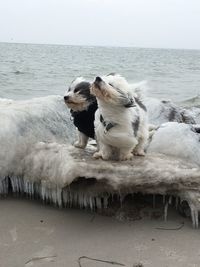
{"x": 34, "y": 234}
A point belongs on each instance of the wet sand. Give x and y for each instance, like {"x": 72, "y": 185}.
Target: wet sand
{"x": 33, "y": 234}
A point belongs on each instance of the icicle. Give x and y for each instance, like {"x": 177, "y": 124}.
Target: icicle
{"x": 98, "y": 202}
{"x": 121, "y": 198}
{"x": 166, "y": 207}
{"x": 75, "y": 199}
{"x": 164, "y": 199}
{"x": 65, "y": 197}
{"x": 176, "y": 202}
{"x": 31, "y": 185}
{"x": 55, "y": 196}
{"x": 48, "y": 195}
{"x": 91, "y": 202}
{"x": 85, "y": 201}
{"x": 15, "y": 184}
{"x": 59, "y": 197}
{"x": 52, "y": 196}
{"x": 80, "y": 199}
{"x": 165, "y": 211}
{"x": 42, "y": 192}
{"x": 29, "y": 188}
{"x": 37, "y": 190}
{"x": 105, "y": 202}
{"x": 193, "y": 199}
{"x": 194, "y": 216}
{"x": 4, "y": 186}
{"x": 21, "y": 185}
{"x": 26, "y": 187}
{"x": 70, "y": 198}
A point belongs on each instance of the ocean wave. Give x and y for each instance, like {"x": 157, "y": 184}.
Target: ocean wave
{"x": 191, "y": 102}
{"x": 5, "y": 101}
{"x": 18, "y": 72}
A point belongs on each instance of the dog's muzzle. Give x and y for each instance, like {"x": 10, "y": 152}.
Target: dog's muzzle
{"x": 66, "y": 98}
{"x": 98, "y": 79}
{"x": 97, "y": 82}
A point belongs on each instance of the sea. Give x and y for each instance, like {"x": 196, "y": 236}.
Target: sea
{"x": 33, "y": 70}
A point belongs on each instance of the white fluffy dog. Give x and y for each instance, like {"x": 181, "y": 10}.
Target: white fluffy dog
{"x": 121, "y": 119}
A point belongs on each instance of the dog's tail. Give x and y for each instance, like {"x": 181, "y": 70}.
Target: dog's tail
{"x": 139, "y": 89}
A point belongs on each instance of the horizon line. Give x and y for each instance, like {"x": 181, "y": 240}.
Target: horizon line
{"x": 106, "y": 46}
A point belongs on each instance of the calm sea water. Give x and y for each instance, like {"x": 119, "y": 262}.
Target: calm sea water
{"x": 28, "y": 70}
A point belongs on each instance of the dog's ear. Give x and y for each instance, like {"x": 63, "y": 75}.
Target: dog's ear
{"x": 129, "y": 101}
{"x": 139, "y": 89}
{"x": 126, "y": 99}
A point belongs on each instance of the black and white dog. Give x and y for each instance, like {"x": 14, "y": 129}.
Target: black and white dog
{"x": 82, "y": 106}
{"x": 121, "y": 126}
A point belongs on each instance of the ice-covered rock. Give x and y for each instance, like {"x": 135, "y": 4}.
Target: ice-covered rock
{"x": 177, "y": 139}
{"x": 23, "y": 123}
{"x": 194, "y": 113}
{"x": 37, "y": 158}
{"x": 160, "y": 111}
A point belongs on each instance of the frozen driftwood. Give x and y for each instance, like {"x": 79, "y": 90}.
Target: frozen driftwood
{"x": 37, "y": 158}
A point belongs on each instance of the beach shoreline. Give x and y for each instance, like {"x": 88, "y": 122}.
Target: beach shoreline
{"x": 33, "y": 234}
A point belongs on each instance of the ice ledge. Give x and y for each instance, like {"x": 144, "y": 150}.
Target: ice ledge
{"x": 68, "y": 176}
{"x": 57, "y": 172}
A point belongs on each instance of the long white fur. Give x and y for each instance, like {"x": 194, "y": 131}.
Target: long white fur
{"x": 121, "y": 136}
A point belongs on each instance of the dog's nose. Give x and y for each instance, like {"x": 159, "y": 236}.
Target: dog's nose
{"x": 66, "y": 97}
{"x": 98, "y": 79}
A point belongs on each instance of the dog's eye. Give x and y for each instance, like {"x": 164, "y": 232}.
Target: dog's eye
{"x": 111, "y": 84}
{"x": 76, "y": 90}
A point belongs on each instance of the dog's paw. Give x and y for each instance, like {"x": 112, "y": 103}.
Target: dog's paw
{"x": 79, "y": 145}
{"x": 126, "y": 157}
{"x": 97, "y": 155}
{"x": 139, "y": 153}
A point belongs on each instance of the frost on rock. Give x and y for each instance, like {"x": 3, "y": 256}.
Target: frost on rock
{"x": 38, "y": 160}
{"x": 161, "y": 111}
{"x": 195, "y": 113}
{"x": 177, "y": 139}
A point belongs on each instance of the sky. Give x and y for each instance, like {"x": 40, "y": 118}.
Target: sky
{"x": 136, "y": 23}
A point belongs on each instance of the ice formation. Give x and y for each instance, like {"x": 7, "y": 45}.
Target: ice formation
{"x": 161, "y": 111}
{"x": 37, "y": 159}
{"x": 177, "y": 139}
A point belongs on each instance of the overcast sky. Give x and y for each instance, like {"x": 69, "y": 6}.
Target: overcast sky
{"x": 138, "y": 23}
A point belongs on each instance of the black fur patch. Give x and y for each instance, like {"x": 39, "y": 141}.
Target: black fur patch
{"x": 135, "y": 125}
{"x": 84, "y": 120}
{"x": 83, "y": 88}
{"x": 139, "y": 102}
